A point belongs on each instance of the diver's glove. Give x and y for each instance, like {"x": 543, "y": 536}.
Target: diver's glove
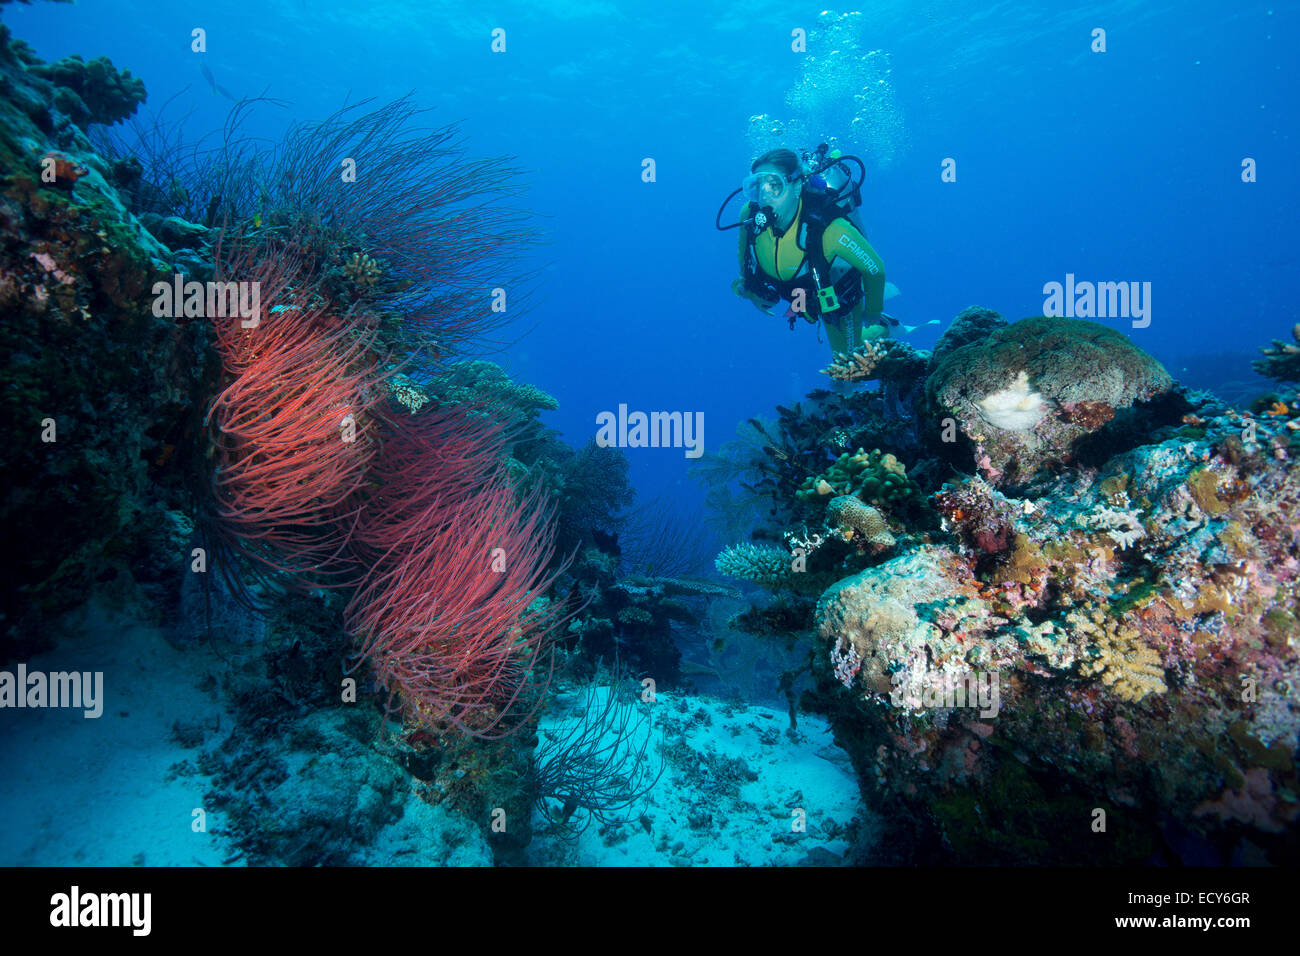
{"x": 738, "y": 287}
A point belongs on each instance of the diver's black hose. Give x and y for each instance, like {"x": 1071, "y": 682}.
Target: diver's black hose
{"x": 717, "y": 220}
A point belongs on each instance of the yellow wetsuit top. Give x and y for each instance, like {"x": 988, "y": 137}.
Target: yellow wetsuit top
{"x": 780, "y": 256}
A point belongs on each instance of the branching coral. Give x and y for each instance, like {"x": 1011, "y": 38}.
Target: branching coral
{"x": 1281, "y": 361}
{"x": 855, "y": 366}
{"x": 1127, "y": 666}
{"x": 362, "y": 269}
{"x": 1124, "y": 526}
{"x": 761, "y": 564}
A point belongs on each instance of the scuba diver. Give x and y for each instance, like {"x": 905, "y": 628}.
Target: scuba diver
{"x": 801, "y": 244}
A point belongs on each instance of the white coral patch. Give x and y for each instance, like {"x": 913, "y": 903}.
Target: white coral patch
{"x": 1014, "y": 408}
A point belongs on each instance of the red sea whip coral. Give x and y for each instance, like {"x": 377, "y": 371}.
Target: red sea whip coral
{"x": 320, "y": 478}
{"x": 293, "y": 430}
{"x": 449, "y": 615}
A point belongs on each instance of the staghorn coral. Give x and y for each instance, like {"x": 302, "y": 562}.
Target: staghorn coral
{"x": 895, "y": 363}
{"x": 858, "y": 365}
{"x": 1281, "y": 361}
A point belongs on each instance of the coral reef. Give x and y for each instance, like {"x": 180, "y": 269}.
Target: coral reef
{"x": 100, "y": 393}
{"x": 1141, "y": 634}
{"x": 1120, "y": 632}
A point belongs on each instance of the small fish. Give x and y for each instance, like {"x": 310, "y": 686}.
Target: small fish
{"x": 257, "y": 220}
{"x": 909, "y": 329}
{"x": 213, "y": 85}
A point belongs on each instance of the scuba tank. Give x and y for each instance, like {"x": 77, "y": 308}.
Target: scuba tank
{"x": 829, "y": 172}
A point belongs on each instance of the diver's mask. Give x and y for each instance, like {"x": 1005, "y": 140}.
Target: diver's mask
{"x": 767, "y": 189}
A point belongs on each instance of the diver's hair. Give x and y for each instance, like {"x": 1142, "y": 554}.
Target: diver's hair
{"x": 783, "y": 159}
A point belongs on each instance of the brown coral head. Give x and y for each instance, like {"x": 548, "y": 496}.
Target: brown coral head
{"x": 1089, "y": 415}
{"x": 66, "y": 172}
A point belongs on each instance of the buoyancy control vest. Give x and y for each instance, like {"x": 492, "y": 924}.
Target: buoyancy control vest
{"x": 824, "y": 296}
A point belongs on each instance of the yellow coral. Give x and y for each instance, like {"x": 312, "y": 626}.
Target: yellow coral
{"x": 856, "y": 365}
{"x": 1127, "y": 666}
{"x": 362, "y": 270}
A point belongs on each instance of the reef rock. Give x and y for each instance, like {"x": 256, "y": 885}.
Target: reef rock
{"x": 102, "y": 398}
{"x": 1027, "y": 395}
{"x": 1128, "y": 642}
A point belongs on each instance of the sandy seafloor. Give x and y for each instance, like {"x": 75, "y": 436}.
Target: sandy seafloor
{"x": 121, "y": 790}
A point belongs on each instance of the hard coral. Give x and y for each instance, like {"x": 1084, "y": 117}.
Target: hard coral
{"x": 1130, "y": 668}
{"x": 94, "y": 92}
{"x": 1281, "y": 361}
{"x": 876, "y": 477}
{"x": 1081, "y": 372}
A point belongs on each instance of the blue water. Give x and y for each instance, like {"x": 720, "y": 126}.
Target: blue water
{"x": 1115, "y": 166}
